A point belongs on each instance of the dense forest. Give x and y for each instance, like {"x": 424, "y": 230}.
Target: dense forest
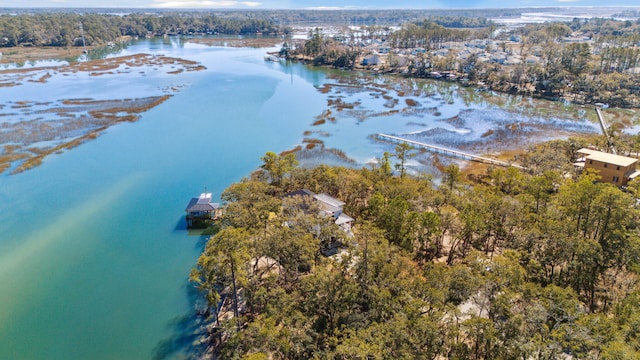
{"x": 315, "y": 17}
{"x": 536, "y": 264}
{"x": 63, "y": 29}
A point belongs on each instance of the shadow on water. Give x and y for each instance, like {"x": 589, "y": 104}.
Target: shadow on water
{"x": 202, "y": 234}
{"x": 189, "y": 335}
{"x": 202, "y": 242}
{"x": 181, "y": 225}
{"x": 189, "y": 339}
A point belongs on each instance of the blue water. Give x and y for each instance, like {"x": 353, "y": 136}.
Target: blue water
{"x": 94, "y": 256}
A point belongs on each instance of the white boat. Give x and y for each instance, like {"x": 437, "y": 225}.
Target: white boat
{"x": 271, "y": 58}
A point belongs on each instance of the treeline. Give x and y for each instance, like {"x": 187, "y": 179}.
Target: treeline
{"x": 429, "y": 34}
{"x": 583, "y": 61}
{"x": 63, "y": 29}
{"x": 521, "y": 265}
{"x": 343, "y": 51}
{"x": 600, "y": 66}
{"x": 388, "y": 17}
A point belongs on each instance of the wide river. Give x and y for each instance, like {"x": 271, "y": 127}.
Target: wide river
{"x": 94, "y": 255}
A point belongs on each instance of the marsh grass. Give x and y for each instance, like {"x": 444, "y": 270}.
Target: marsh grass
{"x": 86, "y": 116}
{"x": 34, "y": 161}
{"x": 411, "y": 102}
{"x": 313, "y": 142}
{"x": 315, "y": 156}
{"x": 98, "y": 67}
{"x": 236, "y": 41}
{"x": 42, "y": 79}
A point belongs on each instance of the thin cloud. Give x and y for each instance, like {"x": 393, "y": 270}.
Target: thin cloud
{"x": 204, "y": 4}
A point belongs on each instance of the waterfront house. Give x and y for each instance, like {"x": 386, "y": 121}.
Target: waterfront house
{"x": 371, "y": 60}
{"x": 614, "y": 169}
{"x": 201, "y": 211}
{"x": 329, "y": 206}
{"x": 333, "y": 207}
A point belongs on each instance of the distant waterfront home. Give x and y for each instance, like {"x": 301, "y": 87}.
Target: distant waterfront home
{"x": 329, "y": 206}
{"x": 371, "y": 60}
{"x": 201, "y": 211}
{"x": 614, "y": 169}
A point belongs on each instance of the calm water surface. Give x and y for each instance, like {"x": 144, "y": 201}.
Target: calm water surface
{"x": 94, "y": 257}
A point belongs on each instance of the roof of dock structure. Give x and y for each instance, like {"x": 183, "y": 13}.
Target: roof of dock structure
{"x": 202, "y": 203}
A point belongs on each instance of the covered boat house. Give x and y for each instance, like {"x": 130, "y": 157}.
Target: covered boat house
{"x": 201, "y": 211}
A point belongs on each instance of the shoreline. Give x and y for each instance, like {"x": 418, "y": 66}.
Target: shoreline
{"x": 22, "y": 54}
{"x": 452, "y": 77}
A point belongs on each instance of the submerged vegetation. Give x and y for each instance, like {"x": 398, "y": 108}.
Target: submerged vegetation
{"x": 520, "y": 265}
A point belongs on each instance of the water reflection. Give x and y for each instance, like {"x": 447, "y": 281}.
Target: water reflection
{"x": 189, "y": 334}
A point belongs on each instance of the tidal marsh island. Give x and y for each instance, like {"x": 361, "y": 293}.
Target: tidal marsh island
{"x": 31, "y": 130}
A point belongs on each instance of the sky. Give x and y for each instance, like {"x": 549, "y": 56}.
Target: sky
{"x": 312, "y": 4}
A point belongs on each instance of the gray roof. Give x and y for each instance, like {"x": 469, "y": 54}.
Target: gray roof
{"x": 343, "y": 219}
{"x": 634, "y": 174}
{"x": 303, "y": 192}
{"x": 329, "y": 200}
{"x": 202, "y": 203}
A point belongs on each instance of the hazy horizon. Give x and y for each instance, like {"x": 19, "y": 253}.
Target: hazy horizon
{"x": 318, "y": 4}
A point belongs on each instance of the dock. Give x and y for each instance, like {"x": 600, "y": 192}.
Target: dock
{"x": 603, "y": 126}
{"x": 201, "y": 211}
{"x": 448, "y": 152}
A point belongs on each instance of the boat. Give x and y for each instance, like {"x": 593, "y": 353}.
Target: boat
{"x": 271, "y": 58}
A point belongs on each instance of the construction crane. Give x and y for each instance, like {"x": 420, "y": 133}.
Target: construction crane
{"x": 603, "y": 126}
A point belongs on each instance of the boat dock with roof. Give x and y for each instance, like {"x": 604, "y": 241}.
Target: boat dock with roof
{"x": 201, "y": 211}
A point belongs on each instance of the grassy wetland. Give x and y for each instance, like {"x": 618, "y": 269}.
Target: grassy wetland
{"x": 33, "y": 130}
{"x": 450, "y": 115}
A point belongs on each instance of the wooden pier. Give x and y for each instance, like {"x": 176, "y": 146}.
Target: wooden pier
{"x": 603, "y": 126}
{"x": 448, "y": 152}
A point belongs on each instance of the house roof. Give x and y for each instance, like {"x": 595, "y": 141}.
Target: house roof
{"x": 329, "y": 200}
{"x": 302, "y": 192}
{"x": 634, "y": 174}
{"x": 607, "y": 158}
{"x": 202, "y": 203}
{"x": 343, "y": 219}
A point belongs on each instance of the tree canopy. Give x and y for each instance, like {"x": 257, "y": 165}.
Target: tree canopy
{"x": 524, "y": 265}
{"x": 63, "y": 29}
